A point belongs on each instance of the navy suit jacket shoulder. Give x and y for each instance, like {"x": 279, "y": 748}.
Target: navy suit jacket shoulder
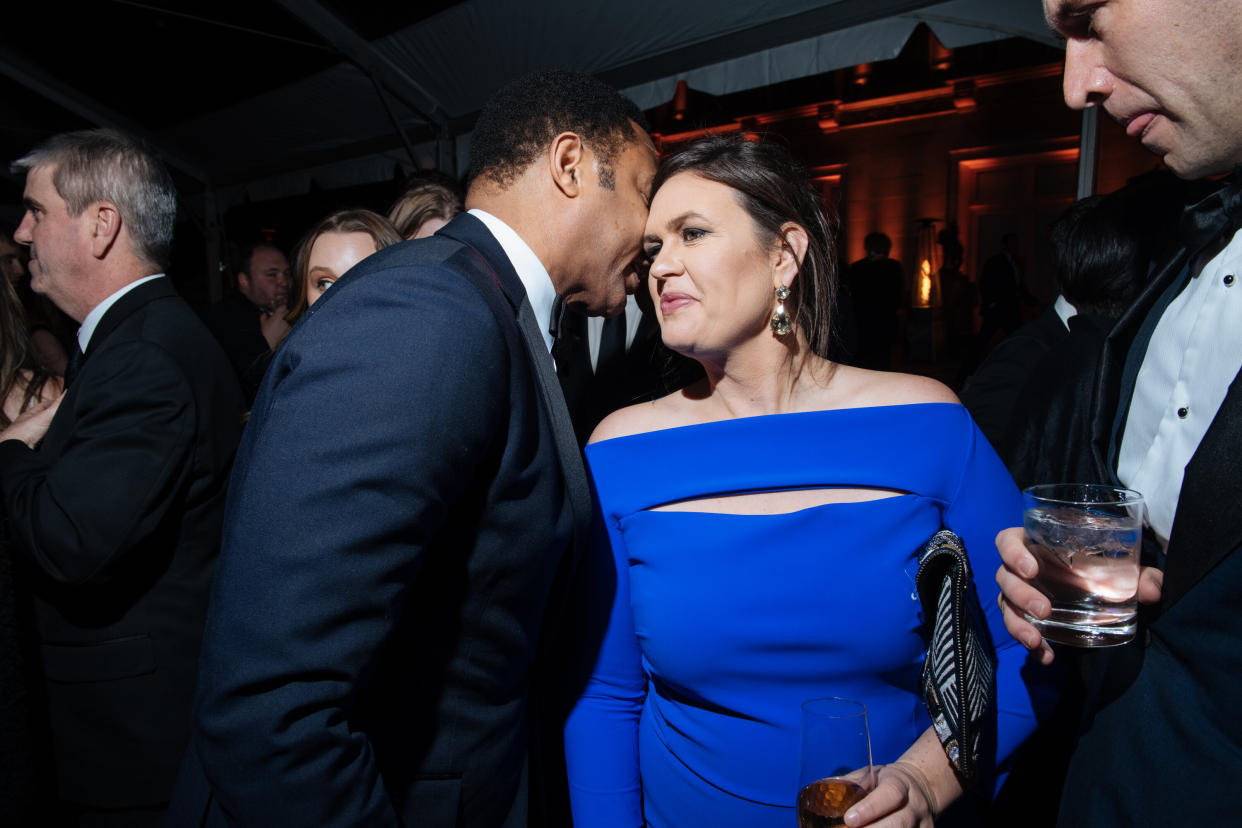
{"x": 395, "y": 526}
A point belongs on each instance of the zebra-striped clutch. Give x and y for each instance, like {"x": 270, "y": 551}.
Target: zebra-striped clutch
{"x": 959, "y": 673}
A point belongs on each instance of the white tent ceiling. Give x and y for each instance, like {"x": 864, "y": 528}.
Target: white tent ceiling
{"x": 334, "y": 127}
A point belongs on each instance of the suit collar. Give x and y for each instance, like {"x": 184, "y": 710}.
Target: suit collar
{"x": 534, "y": 276}
{"x": 1206, "y": 527}
{"x": 93, "y": 318}
{"x": 135, "y": 297}
{"x": 473, "y": 233}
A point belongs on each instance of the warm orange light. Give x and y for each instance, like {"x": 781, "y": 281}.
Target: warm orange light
{"x": 925, "y": 284}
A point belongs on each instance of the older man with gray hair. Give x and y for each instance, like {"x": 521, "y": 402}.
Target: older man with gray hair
{"x": 114, "y": 493}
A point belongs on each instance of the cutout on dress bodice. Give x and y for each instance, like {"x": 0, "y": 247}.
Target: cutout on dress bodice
{"x": 776, "y": 503}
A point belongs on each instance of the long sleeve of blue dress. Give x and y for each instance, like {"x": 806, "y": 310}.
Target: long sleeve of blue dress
{"x": 601, "y": 734}
{"x": 710, "y": 629}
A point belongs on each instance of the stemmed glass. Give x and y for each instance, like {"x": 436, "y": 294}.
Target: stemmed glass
{"x": 834, "y": 767}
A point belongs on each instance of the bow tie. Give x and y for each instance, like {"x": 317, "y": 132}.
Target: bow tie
{"x": 1219, "y": 214}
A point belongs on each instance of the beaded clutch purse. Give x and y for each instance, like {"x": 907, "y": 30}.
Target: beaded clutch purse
{"x": 959, "y": 673}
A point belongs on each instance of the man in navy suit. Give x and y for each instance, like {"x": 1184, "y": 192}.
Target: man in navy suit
{"x": 115, "y": 498}
{"x": 1162, "y": 741}
{"x": 408, "y": 501}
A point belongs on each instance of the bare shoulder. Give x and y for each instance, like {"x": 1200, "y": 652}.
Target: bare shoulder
{"x": 677, "y": 409}
{"x": 876, "y": 388}
{"x": 633, "y": 419}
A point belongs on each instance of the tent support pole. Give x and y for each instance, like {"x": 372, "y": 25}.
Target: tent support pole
{"x": 1088, "y": 142}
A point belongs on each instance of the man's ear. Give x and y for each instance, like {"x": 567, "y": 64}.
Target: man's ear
{"x": 243, "y": 282}
{"x": 566, "y": 158}
{"x": 105, "y": 228}
{"x": 789, "y": 253}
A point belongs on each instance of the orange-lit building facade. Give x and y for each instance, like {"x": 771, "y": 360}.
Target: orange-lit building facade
{"x": 981, "y": 138}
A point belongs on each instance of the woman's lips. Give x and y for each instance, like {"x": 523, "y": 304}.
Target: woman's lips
{"x": 673, "y": 302}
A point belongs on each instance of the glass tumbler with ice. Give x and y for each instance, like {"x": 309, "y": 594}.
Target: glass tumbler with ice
{"x": 1086, "y": 539}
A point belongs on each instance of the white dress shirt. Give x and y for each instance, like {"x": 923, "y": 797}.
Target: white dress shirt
{"x": 92, "y": 319}
{"x": 1194, "y": 354}
{"x": 595, "y": 328}
{"x": 533, "y": 275}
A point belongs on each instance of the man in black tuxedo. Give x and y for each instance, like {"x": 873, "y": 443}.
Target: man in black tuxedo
{"x": 114, "y": 493}
{"x": 607, "y": 364}
{"x": 409, "y": 500}
{"x": 1162, "y": 741}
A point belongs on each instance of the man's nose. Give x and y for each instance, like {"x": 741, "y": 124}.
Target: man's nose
{"x": 22, "y": 234}
{"x": 1087, "y": 81}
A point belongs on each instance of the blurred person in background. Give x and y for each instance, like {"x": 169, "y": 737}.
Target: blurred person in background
{"x": 41, "y": 318}
{"x": 250, "y": 322}
{"x": 25, "y": 777}
{"x": 428, "y": 202}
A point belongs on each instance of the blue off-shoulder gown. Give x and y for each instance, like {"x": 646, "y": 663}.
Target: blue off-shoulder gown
{"x": 721, "y": 625}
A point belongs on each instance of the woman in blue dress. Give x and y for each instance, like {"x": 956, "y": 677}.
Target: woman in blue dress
{"x": 758, "y": 532}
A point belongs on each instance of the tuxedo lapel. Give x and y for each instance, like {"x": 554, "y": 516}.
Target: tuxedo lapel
{"x": 468, "y": 230}
{"x": 1208, "y": 523}
{"x": 572, "y": 466}
{"x": 1123, "y": 356}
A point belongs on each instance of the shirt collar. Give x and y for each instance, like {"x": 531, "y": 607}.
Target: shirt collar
{"x": 97, "y": 313}
{"x": 1064, "y": 309}
{"x": 533, "y": 275}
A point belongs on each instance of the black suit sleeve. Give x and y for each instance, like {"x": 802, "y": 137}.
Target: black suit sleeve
{"x": 117, "y": 474}
{"x": 370, "y": 428}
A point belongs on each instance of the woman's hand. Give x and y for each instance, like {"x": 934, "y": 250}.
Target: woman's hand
{"x": 910, "y": 792}
{"x": 32, "y": 424}
{"x": 902, "y": 797}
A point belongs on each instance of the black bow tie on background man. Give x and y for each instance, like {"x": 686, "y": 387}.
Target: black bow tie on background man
{"x": 1220, "y": 214}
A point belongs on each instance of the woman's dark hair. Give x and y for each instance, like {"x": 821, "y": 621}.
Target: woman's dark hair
{"x": 373, "y": 224}
{"x": 773, "y": 189}
{"x": 17, "y": 357}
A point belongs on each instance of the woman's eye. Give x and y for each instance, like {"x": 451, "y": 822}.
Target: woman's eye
{"x": 692, "y": 234}
{"x": 650, "y": 251}
{"x": 323, "y": 284}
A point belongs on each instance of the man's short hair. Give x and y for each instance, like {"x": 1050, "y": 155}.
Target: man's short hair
{"x": 877, "y": 243}
{"x": 245, "y": 255}
{"x": 520, "y": 121}
{"x": 106, "y": 165}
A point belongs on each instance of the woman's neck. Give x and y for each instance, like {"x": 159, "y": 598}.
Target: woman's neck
{"x": 768, "y": 378}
